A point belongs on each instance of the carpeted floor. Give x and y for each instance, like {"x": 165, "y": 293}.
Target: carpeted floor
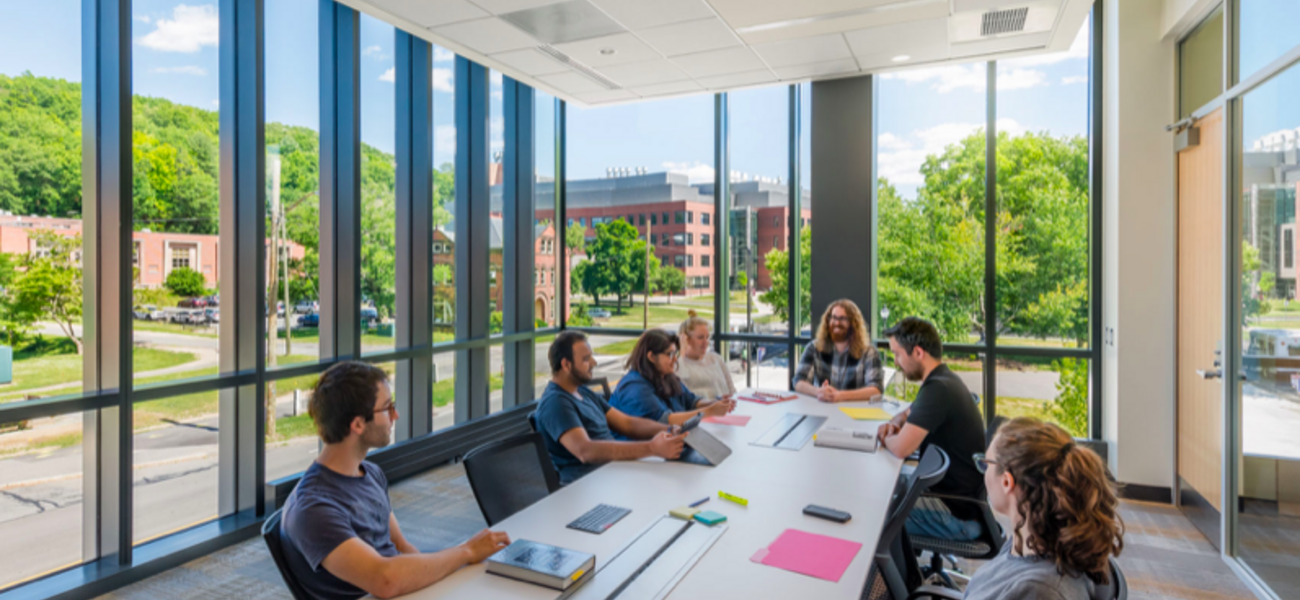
{"x": 1164, "y": 557}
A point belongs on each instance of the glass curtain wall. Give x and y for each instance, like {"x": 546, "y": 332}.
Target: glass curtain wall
{"x": 41, "y": 477}
{"x": 378, "y": 185}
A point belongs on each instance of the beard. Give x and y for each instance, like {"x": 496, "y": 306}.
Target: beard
{"x": 839, "y": 333}
{"x": 580, "y": 377}
{"x": 913, "y": 372}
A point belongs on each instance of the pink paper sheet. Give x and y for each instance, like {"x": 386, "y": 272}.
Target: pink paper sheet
{"x": 819, "y": 556}
{"x": 737, "y": 420}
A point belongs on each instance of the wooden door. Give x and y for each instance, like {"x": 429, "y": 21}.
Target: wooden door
{"x": 1200, "y": 326}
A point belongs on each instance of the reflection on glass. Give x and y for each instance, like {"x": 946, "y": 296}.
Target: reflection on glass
{"x": 1269, "y": 520}
{"x": 930, "y": 200}
{"x": 1043, "y": 198}
{"x": 653, "y": 179}
{"x": 759, "y": 210}
{"x": 378, "y": 185}
{"x": 764, "y": 366}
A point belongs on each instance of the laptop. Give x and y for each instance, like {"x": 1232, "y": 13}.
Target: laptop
{"x": 704, "y": 449}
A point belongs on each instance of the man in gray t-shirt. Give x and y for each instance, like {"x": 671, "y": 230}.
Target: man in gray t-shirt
{"x": 338, "y": 532}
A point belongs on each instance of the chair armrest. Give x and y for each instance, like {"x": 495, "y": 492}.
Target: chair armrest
{"x": 934, "y": 591}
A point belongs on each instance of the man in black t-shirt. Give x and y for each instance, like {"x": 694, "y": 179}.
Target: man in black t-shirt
{"x": 944, "y": 414}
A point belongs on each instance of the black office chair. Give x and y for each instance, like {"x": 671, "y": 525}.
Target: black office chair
{"x": 603, "y": 383}
{"x": 271, "y": 535}
{"x": 1115, "y": 589}
{"x": 985, "y": 547}
{"x": 509, "y": 475}
{"x": 894, "y": 571}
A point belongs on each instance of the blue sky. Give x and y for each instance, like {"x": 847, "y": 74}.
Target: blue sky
{"x": 921, "y": 110}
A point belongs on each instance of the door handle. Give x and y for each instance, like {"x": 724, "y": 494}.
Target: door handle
{"x": 1210, "y": 374}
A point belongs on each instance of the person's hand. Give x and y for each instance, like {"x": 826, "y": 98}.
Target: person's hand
{"x": 719, "y": 407}
{"x": 827, "y": 393}
{"x": 484, "y": 544}
{"x": 887, "y": 429}
{"x": 667, "y": 445}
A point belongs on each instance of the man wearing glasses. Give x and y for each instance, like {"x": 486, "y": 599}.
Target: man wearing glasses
{"x": 340, "y": 537}
{"x": 840, "y": 365}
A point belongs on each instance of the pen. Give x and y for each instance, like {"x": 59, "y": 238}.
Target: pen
{"x": 699, "y": 502}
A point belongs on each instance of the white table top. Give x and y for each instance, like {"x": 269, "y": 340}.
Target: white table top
{"x": 778, "y": 484}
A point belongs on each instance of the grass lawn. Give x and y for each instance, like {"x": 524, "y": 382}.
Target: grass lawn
{"x": 617, "y": 348}
{"x": 1011, "y": 408}
{"x": 164, "y": 327}
{"x": 659, "y": 315}
{"x": 312, "y": 334}
{"x": 444, "y": 391}
{"x": 62, "y": 365}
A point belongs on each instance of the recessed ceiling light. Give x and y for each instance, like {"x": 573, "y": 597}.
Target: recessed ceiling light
{"x": 902, "y": 57}
{"x": 607, "y": 51}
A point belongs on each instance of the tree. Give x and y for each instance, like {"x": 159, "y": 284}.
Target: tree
{"x": 49, "y": 288}
{"x": 669, "y": 279}
{"x": 778, "y": 295}
{"x": 184, "y": 281}
{"x": 616, "y": 263}
{"x": 575, "y": 238}
{"x": 1070, "y": 410}
{"x": 1255, "y": 285}
{"x": 14, "y": 321}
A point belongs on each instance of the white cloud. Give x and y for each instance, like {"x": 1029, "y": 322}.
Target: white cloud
{"x": 390, "y": 75}
{"x": 190, "y": 29}
{"x": 1020, "y": 79}
{"x": 696, "y": 172}
{"x": 971, "y": 77}
{"x": 900, "y": 157}
{"x": 496, "y": 78}
{"x": 444, "y": 140}
{"x": 142, "y": 18}
{"x": 442, "y": 55}
{"x": 185, "y": 70}
{"x": 375, "y": 51}
{"x": 216, "y": 103}
{"x": 1073, "y": 79}
{"x": 444, "y": 80}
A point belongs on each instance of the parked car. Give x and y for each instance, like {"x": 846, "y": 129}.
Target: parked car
{"x": 597, "y": 313}
{"x": 306, "y": 307}
{"x": 197, "y": 302}
{"x": 309, "y": 320}
{"x": 213, "y": 315}
{"x": 369, "y": 316}
{"x": 191, "y": 317}
{"x": 148, "y": 312}
{"x": 213, "y": 300}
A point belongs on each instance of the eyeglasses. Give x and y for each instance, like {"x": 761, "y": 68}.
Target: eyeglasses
{"x": 391, "y": 408}
{"x": 672, "y": 354}
{"x": 839, "y": 319}
{"x": 982, "y": 463}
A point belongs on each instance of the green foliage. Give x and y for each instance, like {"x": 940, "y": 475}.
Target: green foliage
{"x": 578, "y": 317}
{"x": 185, "y": 282}
{"x": 40, "y": 146}
{"x": 49, "y": 288}
{"x": 1070, "y": 410}
{"x": 669, "y": 279}
{"x": 778, "y": 295}
{"x": 494, "y": 322}
{"x": 742, "y": 280}
{"x": 14, "y": 323}
{"x": 575, "y": 238}
{"x": 616, "y": 263}
{"x": 1255, "y": 285}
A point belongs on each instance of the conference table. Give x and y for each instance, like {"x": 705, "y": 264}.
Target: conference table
{"x": 777, "y": 483}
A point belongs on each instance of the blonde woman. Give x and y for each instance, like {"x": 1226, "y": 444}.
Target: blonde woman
{"x": 840, "y": 365}
{"x": 700, "y": 368}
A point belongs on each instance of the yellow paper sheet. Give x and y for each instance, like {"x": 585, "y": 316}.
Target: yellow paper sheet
{"x": 867, "y": 414}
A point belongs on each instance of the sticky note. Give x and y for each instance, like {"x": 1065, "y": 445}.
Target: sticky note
{"x": 684, "y": 512}
{"x": 867, "y": 414}
{"x": 709, "y": 517}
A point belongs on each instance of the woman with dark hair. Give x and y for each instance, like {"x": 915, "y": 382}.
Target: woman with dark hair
{"x": 1064, "y": 514}
{"x": 651, "y": 388}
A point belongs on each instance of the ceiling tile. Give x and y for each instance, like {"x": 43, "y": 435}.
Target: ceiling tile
{"x": 717, "y": 62}
{"x": 737, "y": 79}
{"x": 801, "y": 51}
{"x": 638, "y": 14}
{"x": 432, "y": 13}
{"x": 934, "y": 9}
{"x": 689, "y": 37}
{"x": 498, "y": 7}
{"x": 625, "y": 47}
{"x": 903, "y": 38}
{"x": 644, "y": 73}
{"x": 564, "y": 22}
{"x": 572, "y": 82}
{"x": 745, "y": 13}
{"x": 488, "y": 36}
{"x": 842, "y": 66}
{"x": 605, "y": 96}
{"x": 530, "y": 61}
{"x": 676, "y": 87}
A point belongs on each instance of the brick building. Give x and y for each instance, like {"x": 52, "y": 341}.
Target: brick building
{"x": 156, "y": 252}
{"x": 544, "y": 274}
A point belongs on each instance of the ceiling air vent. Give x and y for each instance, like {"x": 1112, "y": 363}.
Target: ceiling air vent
{"x": 579, "y": 67}
{"x": 1003, "y": 21}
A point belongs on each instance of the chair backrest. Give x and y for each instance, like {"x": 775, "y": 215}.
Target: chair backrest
{"x": 895, "y": 562}
{"x": 600, "y": 384}
{"x": 509, "y": 475}
{"x": 271, "y": 535}
{"x": 992, "y": 429}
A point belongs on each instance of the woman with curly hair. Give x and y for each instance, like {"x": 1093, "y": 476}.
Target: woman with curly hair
{"x": 1064, "y": 514}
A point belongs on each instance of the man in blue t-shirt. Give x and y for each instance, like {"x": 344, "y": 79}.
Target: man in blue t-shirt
{"x": 338, "y": 531}
{"x": 579, "y": 425}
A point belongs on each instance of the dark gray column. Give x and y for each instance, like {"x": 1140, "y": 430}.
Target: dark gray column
{"x": 519, "y": 263}
{"x": 413, "y": 389}
{"x": 243, "y": 253}
{"x": 843, "y": 188}
{"x": 340, "y": 181}
{"x": 561, "y": 224}
{"x": 471, "y": 216}
{"x": 794, "y": 274}
{"x": 106, "y": 251}
{"x": 990, "y": 404}
{"x": 721, "y": 220}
